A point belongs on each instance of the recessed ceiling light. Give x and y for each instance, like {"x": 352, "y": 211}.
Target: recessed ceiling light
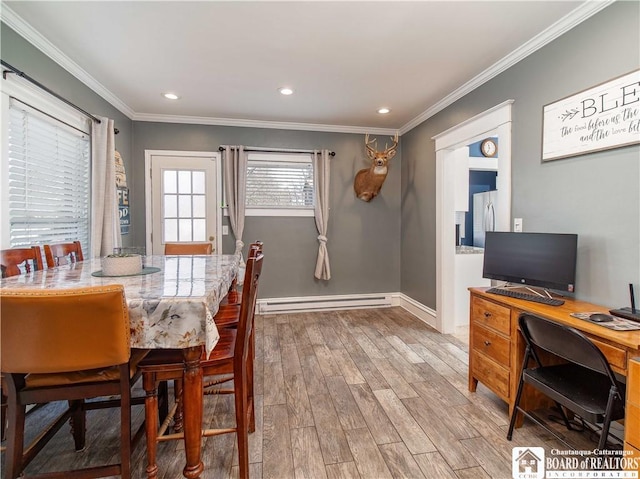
{"x": 383, "y": 111}
{"x": 170, "y": 96}
{"x": 285, "y": 91}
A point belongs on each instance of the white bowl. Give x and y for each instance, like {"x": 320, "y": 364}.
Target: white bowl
{"x": 121, "y": 265}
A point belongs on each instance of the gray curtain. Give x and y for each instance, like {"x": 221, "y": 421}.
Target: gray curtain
{"x": 235, "y": 182}
{"x": 105, "y": 218}
{"x": 321, "y": 177}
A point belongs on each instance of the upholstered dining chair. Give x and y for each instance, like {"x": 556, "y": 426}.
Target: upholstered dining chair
{"x": 187, "y": 248}
{"x": 66, "y": 345}
{"x": 63, "y": 253}
{"x": 11, "y": 260}
{"x": 230, "y": 356}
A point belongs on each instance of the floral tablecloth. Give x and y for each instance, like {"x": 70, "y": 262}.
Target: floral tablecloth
{"x": 172, "y": 308}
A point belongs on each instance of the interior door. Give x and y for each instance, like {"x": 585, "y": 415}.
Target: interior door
{"x": 184, "y": 194}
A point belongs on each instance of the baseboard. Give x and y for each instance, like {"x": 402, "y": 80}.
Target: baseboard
{"x": 346, "y": 301}
{"x": 324, "y": 303}
{"x": 419, "y": 310}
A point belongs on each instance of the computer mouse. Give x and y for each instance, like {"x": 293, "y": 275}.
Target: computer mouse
{"x": 600, "y": 318}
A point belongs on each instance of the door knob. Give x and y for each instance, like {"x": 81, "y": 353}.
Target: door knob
{"x": 211, "y": 238}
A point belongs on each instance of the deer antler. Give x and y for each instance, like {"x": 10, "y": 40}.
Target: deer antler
{"x": 392, "y": 147}
{"x": 371, "y": 151}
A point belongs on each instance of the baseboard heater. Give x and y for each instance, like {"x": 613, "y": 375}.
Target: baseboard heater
{"x": 323, "y": 303}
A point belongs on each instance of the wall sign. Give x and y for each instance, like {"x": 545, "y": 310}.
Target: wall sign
{"x": 123, "y": 195}
{"x": 601, "y": 118}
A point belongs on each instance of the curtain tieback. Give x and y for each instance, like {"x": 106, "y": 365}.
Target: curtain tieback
{"x": 239, "y": 245}
{"x": 322, "y": 239}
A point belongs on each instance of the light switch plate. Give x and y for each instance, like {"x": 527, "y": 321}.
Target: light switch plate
{"x": 225, "y": 230}
{"x": 517, "y": 225}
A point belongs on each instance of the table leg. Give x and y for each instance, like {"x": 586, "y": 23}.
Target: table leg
{"x": 192, "y": 409}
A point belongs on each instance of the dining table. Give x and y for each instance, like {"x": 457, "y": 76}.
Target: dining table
{"x": 172, "y": 304}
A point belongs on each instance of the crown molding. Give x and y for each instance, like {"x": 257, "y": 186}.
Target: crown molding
{"x": 13, "y": 20}
{"x": 577, "y": 16}
{"x": 562, "y": 26}
{"x": 278, "y": 125}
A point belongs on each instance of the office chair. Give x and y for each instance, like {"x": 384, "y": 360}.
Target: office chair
{"x": 584, "y": 385}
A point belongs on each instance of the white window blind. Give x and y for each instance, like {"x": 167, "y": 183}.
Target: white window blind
{"x": 279, "y": 183}
{"x": 48, "y": 179}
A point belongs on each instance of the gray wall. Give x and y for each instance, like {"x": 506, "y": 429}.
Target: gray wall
{"x": 16, "y": 51}
{"x": 372, "y": 246}
{"x": 364, "y": 238}
{"x": 596, "y": 195}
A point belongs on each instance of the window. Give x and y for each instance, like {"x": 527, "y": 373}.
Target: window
{"x": 46, "y": 176}
{"x": 279, "y": 185}
{"x": 184, "y": 205}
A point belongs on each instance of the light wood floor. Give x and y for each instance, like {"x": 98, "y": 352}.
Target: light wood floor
{"x": 352, "y": 394}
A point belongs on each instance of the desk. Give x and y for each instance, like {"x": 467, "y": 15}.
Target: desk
{"x": 497, "y": 347}
{"x": 172, "y": 308}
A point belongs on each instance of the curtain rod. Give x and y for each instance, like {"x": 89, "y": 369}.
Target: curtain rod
{"x": 12, "y": 69}
{"x": 272, "y": 150}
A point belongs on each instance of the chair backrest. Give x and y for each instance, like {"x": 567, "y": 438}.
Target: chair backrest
{"x": 48, "y": 330}
{"x": 248, "y": 307}
{"x": 565, "y": 342}
{"x": 187, "y": 248}
{"x": 62, "y": 253}
{"x": 11, "y": 259}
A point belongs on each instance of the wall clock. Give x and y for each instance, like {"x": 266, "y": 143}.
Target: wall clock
{"x": 489, "y": 148}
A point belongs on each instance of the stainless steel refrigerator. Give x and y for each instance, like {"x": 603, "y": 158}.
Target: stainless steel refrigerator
{"x": 484, "y": 215}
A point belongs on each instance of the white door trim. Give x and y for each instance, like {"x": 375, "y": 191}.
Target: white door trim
{"x": 493, "y": 122}
{"x": 148, "y": 154}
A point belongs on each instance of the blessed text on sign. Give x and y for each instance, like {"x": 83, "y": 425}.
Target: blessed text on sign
{"x": 600, "y": 118}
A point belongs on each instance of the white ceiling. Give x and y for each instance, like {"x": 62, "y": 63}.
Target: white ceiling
{"x": 344, "y": 59}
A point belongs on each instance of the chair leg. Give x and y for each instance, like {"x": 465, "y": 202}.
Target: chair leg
{"x": 125, "y": 424}
{"x": 514, "y": 413}
{"x": 15, "y": 440}
{"x": 78, "y": 422}
{"x": 242, "y": 426}
{"x": 151, "y": 423}
{"x": 565, "y": 419}
{"x": 606, "y": 423}
{"x": 250, "y": 362}
{"x": 3, "y": 418}
{"x": 178, "y": 419}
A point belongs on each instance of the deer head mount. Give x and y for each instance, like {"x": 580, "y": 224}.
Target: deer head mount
{"x": 368, "y": 181}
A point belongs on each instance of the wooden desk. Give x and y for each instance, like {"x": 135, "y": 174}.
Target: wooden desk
{"x": 497, "y": 347}
{"x": 171, "y": 308}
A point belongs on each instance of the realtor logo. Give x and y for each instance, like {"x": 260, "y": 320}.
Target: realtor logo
{"x": 527, "y": 463}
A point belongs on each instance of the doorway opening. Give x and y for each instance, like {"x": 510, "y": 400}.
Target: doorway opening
{"x": 451, "y": 145}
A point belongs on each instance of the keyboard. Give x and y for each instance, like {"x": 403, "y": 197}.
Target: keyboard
{"x": 526, "y": 296}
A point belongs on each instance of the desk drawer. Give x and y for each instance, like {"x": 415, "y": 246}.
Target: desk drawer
{"x": 632, "y": 417}
{"x": 491, "y": 314}
{"x": 492, "y": 344}
{"x": 633, "y": 385}
{"x": 615, "y": 355}
{"x": 491, "y": 374}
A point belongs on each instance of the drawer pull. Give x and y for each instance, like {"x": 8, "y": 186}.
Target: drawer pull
{"x": 487, "y": 314}
{"x": 487, "y": 343}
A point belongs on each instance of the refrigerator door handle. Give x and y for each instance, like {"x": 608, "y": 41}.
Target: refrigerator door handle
{"x": 492, "y": 209}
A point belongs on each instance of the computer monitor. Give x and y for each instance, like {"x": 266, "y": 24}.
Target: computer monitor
{"x": 547, "y": 260}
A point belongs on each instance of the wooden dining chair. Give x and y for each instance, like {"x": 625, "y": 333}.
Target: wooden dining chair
{"x": 229, "y": 311}
{"x": 51, "y": 351}
{"x": 11, "y": 260}
{"x": 62, "y": 253}
{"x": 230, "y": 356}
{"x": 187, "y": 248}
